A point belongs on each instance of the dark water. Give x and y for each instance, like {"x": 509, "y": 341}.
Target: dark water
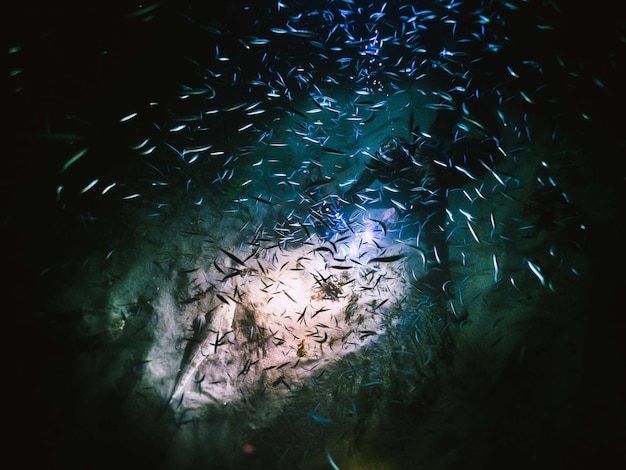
{"x": 549, "y": 396}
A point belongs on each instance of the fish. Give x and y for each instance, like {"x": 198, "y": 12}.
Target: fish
{"x": 78, "y": 155}
{"x": 128, "y": 117}
{"x": 332, "y": 151}
{"x": 331, "y": 461}
{"x": 536, "y": 270}
{"x": 319, "y": 419}
{"x": 322, "y": 340}
{"x": 386, "y": 259}
{"x": 472, "y": 231}
{"x": 89, "y": 186}
{"x": 233, "y": 257}
{"x": 496, "y": 270}
{"x": 492, "y": 220}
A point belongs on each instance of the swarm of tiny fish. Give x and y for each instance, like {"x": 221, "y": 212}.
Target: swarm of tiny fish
{"x": 281, "y": 281}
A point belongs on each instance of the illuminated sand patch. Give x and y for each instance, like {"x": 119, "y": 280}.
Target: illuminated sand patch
{"x": 267, "y": 318}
